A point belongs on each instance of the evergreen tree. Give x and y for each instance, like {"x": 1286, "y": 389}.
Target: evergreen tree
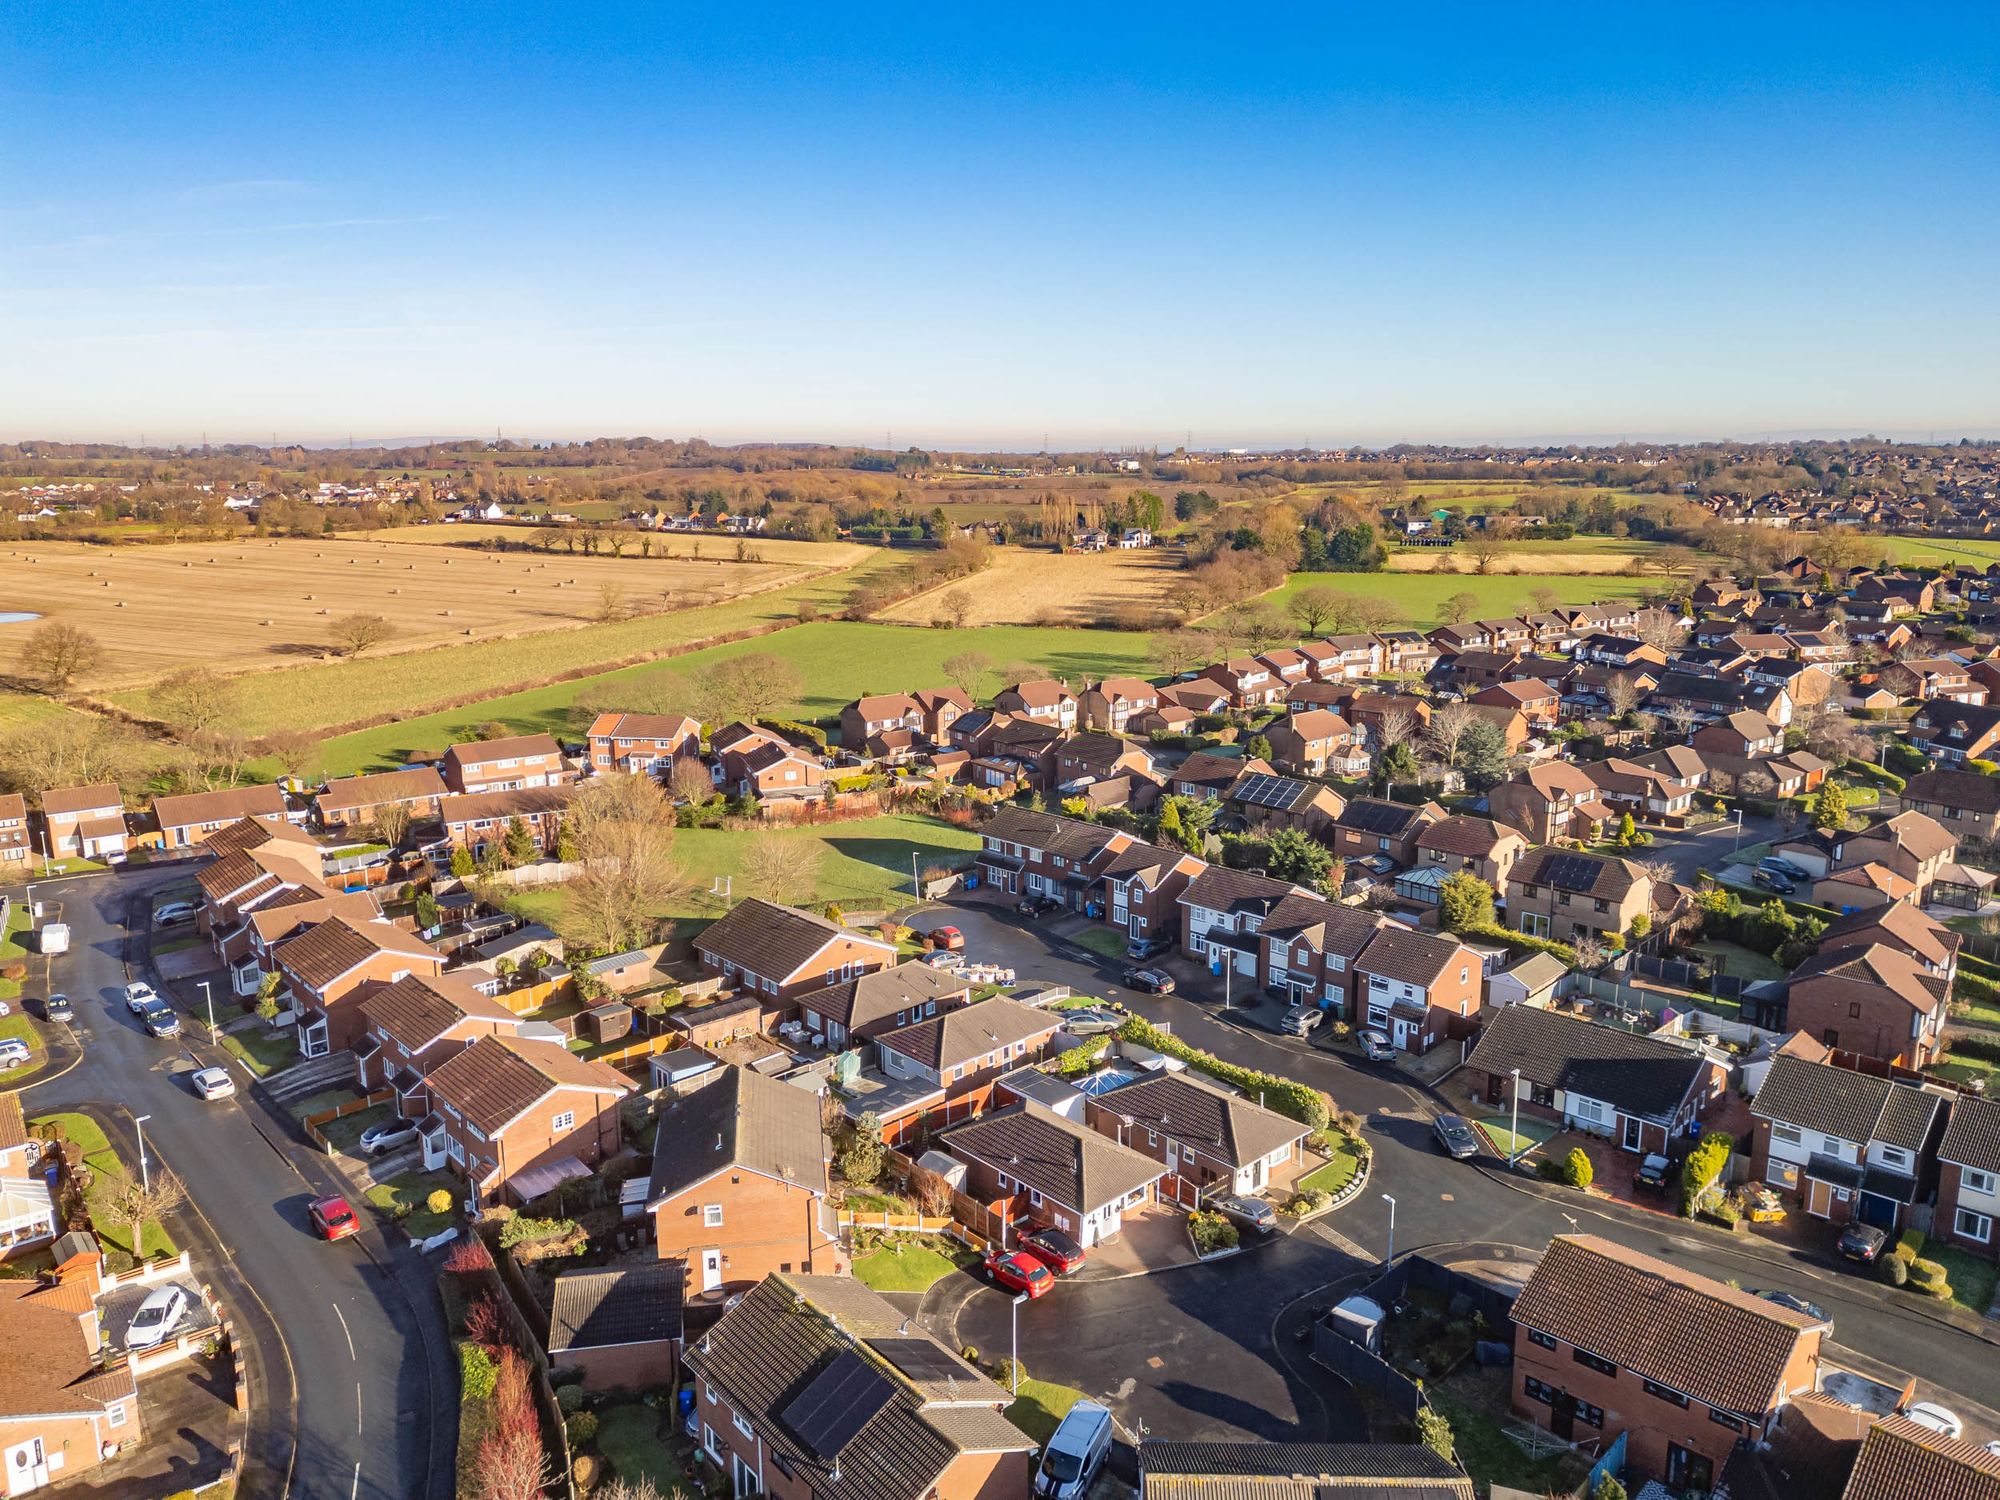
{"x": 1465, "y": 902}
{"x": 1830, "y": 807}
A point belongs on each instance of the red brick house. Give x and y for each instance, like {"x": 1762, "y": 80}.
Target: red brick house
{"x": 1968, "y": 1189}
{"x": 1872, "y": 1000}
{"x": 641, "y": 743}
{"x": 1308, "y": 949}
{"x": 960, "y": 1051}
{"x": 329, "y": 969}
{"x": 1464, "y": 842}
{"x": 774, "y": 770}
{"x": 739, "y": 1184}
{"x": 1112, "y": 705}
{"x": 1850, "y": 1145}
{"x": 783, "y": 953}
{"x": 415, "y": 1024}
{"x": 193, "y": 819}
{"x": 1209, "y": 1140}
{"x": 1046, "y": 701}
{"x": 65, "y": 1404}
{"x": 862, "y": 1008}
{"x": 14, "y": 844}
{"x": 1550, "y": 802}
{"x": 1610, "y": 1341}
{"x": 1026, "y": 1164}
{"x": 1247, "y": 682}
{"x": 515, "y": 1117}
{"x": 356, "y": 800}
{"x": 1372, "y": 825}
{"x": 1317, "y": 742}
{"x": 479, "y": 822}
{"x": 505, "y": 765}
{"x": 1416, "y": 987}
{"x": 619, "y": 1327}
{"x": 83, "y": 822}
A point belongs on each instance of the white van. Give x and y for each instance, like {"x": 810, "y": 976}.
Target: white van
{"x": 1075, "y": 1455}
{"x": 55, "y": 938}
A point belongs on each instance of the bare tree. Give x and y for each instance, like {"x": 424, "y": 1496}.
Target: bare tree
{"x": 624, "y": 834}
{"x": 1485, "y": 548}
{"x": 1178, "y": 651}
{"x": 1398, "y": 726}
{"x": 690, "y": 781}
{"x": 294, "y": 749}
{"x": 1313, "y": 607}
{"x": 955, "y": 607}
{"x": 746, "y": 687}
{"x": 194, "y": 700}
{"x": 1459, "y": 608}
{"x": 56, "y": 654}
{"x": 354, "y": 634}
{"x": 968, "y": 672}
{"x": 1544, "y": 600}
{"x": 1589, "y": 951}
{"x": 1680, "y": 719}
{"x": 142, "y": 1203}
{"x": 71, "y": 750}
{"x": 610, "y": 603}
{"x": 1660, "y": 628}
{"x": 391, "y": 821}
{"x": 780, "y": 869}
{"x": 1621, "y": 692}
{"x": 1372, "y": 612}
{"x": 1447, "y": 727}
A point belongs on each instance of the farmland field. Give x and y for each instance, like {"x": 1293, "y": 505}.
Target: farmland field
{"x": 240, "y": 605}
{"x": 1023, "y": 587}
{"x": 331, "y": 693}
{"x": 1419, "y": 595}
{"x": 1578, "y": 554}
{"x": 816, "y": 555}
{"x": 1934, "y": 553}
{"x": 839, "y": 661}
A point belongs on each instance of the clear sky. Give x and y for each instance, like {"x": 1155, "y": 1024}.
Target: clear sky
{"x": 980, "y": 224}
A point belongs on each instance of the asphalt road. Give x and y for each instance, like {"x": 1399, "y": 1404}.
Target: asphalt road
{"x": 1438, "y": 1201}
{"x": 352, "y": 1339}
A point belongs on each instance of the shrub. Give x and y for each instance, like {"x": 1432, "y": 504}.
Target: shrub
{"x": 524, "y": 1229}
{"x": 587, "y": 1470}
{"x": 1909, "y": 1245}
{"x": 1434, "y": 1432}
{"x": 477, "y": 1374}
{"x": 1893, "y": 1269}
{"x": 1294, "y": 1100}
{"x": 582, "y": 1428}
{"x": 970, "y": 1354}
{"x": 1211, "y": 1232}
{"x": 1549, "y": 1170}
{"x": 1703, "y": 1165}
{"x": 569, "y": 1398}
{"x": 1577, "y": 1171}
{"x": 469, "y": 1257}
{"x": 1006, "y": 1370}
{"x": 439, "y": 1202}
{"x": 1521, "y": 942}
{"x": 1081, "y": 1059}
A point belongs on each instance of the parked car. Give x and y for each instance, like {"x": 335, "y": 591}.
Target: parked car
{"x": 1075, "y": 1454}
{"x": 13, "y": 1053}
{"x": 1251, "y": 1213}
{"x": 1149, "y": 981}
{"x": 1301, "y": 1020}
{"x": 947, "y": 938}
{"x": 1054, "y": 1249}
{"x": 944, "y": 958}
{"x": 213, "y": 1083}
{"x": 333, "y": 1218}
{"x": 1653, "y": 1173}
{"x": 386, "y": 1135}
{"x": 1777, "y": 864}
{"x": 58, "y": 1008}
{"x": 1141, "y": 949}
{"x": 1019, "y": 1272}
{"x": 158, "y": 1316}
{"x": 139, "y": 995}
{"x": 1035, "y": 906}
{"x": 1772, "y": 881}
{"x": 1799, "y": 1304}
{"x": 1376, "y": 1047}
{"x": 1091, "y": 1022}
{"x": 1862, "y": 1242}
{"x": 1455, "y": 1134}
{"x": 160, "y": 1020}
{"x": 174, "y": 912}
{"x": 1940, "y": 1419}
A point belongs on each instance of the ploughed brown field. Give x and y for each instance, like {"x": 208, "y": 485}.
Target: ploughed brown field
{"x": 1034, "y": 587}
{"x": 239, "y": 605}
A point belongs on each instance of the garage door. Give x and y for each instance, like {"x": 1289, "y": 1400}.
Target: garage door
{"x": 1877, "y": 1210}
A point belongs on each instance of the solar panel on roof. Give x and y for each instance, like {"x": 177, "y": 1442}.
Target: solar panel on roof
{"x": 920, "y": 1359}
{"x": 1375, "y": 817}
{"x": 836, "y": 1404}
{"x": 1573, "y": 872}
{"x": 1260, "y": 790}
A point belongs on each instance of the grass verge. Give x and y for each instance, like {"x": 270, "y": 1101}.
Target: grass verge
{"x": 19, "y": 1028}
{"x": 1972, "y": 1277}
{"x": 109, "y": 1174}
{"x": 1335, "y": 1175}
{"x": 907, "y": 1264}
{"x": 1102, "y": 940}
{"x": 262, "y": 1052}
{"x": 1040, "y": 1405}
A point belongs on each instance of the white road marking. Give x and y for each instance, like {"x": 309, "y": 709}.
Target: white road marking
{"x": 357, "y": 1480}
{"x": 350, "y": 1337}
{"x": 357, "y": 1408}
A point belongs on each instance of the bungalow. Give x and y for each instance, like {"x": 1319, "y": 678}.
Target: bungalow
{"x": 1968, "y": 1190}
{"x": 354, "y": 801}
{"x": 640, "y": 744}
{"x": 1028, "y": 1164}
{"x": 1416, "y": 987}
{"x": 739, "y": 1184}
{"x": 84, "y": 822}
{"x": 1211, "y": 1141}
{"x": 1636, "y": 1091}
{"x": 516, "y": 1117}
{"x": 189, "y": 820}
{"x": 774, "y": 770}
{"x": 1871, "y": 1000}
{"x": 1850, "y": 1145}
{"x": 785, "y": 952}
{"x": 504, "y": 765}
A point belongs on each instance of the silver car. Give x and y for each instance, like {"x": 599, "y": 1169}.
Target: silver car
{"x": 1301, "y": 1020}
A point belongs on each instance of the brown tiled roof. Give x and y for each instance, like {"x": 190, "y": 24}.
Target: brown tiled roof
{"x": 1046, "y": 693}
{"x": 321, "y": 954}
{"x": 736, "y": 1118}
{"x": 1878, "y": 967}
{"x": 219, "y": 807}
{"x": 255, "y": 833}
{"x": 1596, "y": 875}
{"x": 1073, "y": 839}
{"x": 1078, "y": 1168}
{"x": 1901, "y": 1461}
{"x": 290, "y": 910}
{"x": 13, "y": 820}
{"x": 497, "y": 1077}
{"x": 1853, "y": 1106}
{"x": 1127, "y": 688}
{"x": 522, "y": 802}
{"x": 790, "y": 1329}
{"x": 1724, "y": 1347}
{"x": 1228, "y": 1126}
{"x": 418, "y": 1009}
{"x": 1633, "y": 1073}
{"x": 775, "y": 941}
{"x": 1972, "y": 1139}
{"x": 516, "y": 747}
{"x": 1917, "y": 833}
{"x": 643, "y": 726}
{"x": 1463, "y": 834}
{"x": 1962, "y": 789}
{"x": 1419, "y": 958}
{"x": 46, "y": 1365}
{"x": 384, "y": 786}
{"x": 1327, "y": 925}
{"x": 1174, "y": 1470}
{"x": 1206, "y": 769}
{"x": 1220, "y": 889}
{"x": 862, "y": 1001}
{"x": 69, "y": 801}
{"x": 13, "y": 1126}
{"x": 956, "y": 1037}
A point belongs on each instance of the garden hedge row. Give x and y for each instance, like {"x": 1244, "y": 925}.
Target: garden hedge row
{"x": 1296, "y": 1101}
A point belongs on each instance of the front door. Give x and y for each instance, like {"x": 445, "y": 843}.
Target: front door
{"x": 1562, "y": 1416}
{"x": 27, "y": 1467}
{"x": 1634, "y": 1134}
{"x": 711, "y": 1270}
{"x": 1819, "y": 1197}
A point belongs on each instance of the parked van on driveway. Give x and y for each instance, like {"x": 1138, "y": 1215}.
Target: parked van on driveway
{"x": 1075, "y": 1454}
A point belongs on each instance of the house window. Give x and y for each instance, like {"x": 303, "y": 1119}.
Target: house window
{"x": 1653, "y": 1388}
{"x": 1545, "y": 1340}
{"x": 1791, "y": 1135}
{"x": 1854, "y": 1010}
{"x": 708, "y": 1393}
{"x": 1895, "y": 1156}
{"x": 1973, "y": 1226}
{"x": 564, "y": 1121}
{"x": 1977, "y": 1181}
{"x": 1592, "y": 1361}
{"x": 742, "y": 1426}
{"x": 1723, "y": 1419}
{"x": 1006, "y": 1183}
{"x": 711, "y": 1215}
{"x": 114, "y": 1414}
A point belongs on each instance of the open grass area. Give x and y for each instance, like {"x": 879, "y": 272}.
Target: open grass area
{"x": 838, "y": 661}
{"x": 907, "y": 1264}
{"x": 109, "y": 1174}
{"x": 633, "y": 1438}
{"x": 1418, "y": 596}
{"x": 1335, "y": 1174}
{"x": 1933, "y": 552}
{"x": 19, "y": 1027}
{"x": 1510, "y": 1142}
{"x": 262, "y": 1052}
{"x": 1039, "y": 1407}
{"x": 1972, "y": 1277}
{"x": 1962, "y": 1069}
{"x": 1741, "y": 962}
{"x": 1102, "y": 940}
{"x": 404, "y": 1199}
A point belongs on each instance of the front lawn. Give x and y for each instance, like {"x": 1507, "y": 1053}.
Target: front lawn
{"x": 632, "y": 1440}
{"x": 908, "y": 1263}
{"x": 1040, "y": 1405}
{"x": 341, "y": 1134}
{"x": 20, "y": 1028}
{"x": 405, "y": 1200}
{"x": 85, "y": 1132}
{"x": 1533, "y": 1133}
{"x": 262, "y": 1052}
{"x": 1101, "y": 940}
{"x": 325, "y": 1099}
{"x": 108, "y": 1176}
{"x": 1972, "y": 1277}
{"x": 1335, "y": 1175}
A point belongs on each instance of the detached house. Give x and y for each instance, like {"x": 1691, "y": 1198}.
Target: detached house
{"x": 1555, "y": 893}
{"x": 1463, "y": 842}
{"x": 14, "y": 848}
{"x": 739, "y": 1185}
{"x": 1211, "y": 1141}
{"x": 516, "y": 1117}
{"x": 641, "y": 744}
{"x": 1850, "y": 1145}
{"x": 84, "y": 822}
{"x": 1954, "y": 733}
{"x": 1550, "y": 802}
{"x": 1114, "y": 703}
{"x": 1416, "y": 988}
{"x": 1047, "y": 702}
{"x": 1372, "y": 825}
{"x": 783, "y": 952}
{"x": 1871, "y": 1000}
{"x": 505, "y": 765}
{"x": 65, "y": 1404}
{"x": 1317, "y": 742}
{"x": 1610, "y": 1341}
{"x": 1964, "y": 803}
{"x": 1247, "y": 682}
{"x": 1916, "y": 847}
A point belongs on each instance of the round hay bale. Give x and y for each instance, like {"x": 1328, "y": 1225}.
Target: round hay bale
{"x": 319, "y": 611}
{"x": 263, "y": 622}
{"x": 106, "y": 583}
{"x": 395, "y": 591}
{"x": 466, "y": 632}
{"x": 121, "y": 602}
{"x": 309, "y": 600}
{"x": 446, "y": 613}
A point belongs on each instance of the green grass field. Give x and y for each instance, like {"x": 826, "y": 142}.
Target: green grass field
{"x": 1040, "y": 1406}
{"x": 1935, "y": 553}
{"x": 838, "y": 661}
{"x": 1419, "y": 595}
{"x": 911, "y": 1267}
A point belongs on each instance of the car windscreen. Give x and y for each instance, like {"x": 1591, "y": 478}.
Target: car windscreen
{"x": 1062, "y": 1466}
{"x": 148, "y": 1316}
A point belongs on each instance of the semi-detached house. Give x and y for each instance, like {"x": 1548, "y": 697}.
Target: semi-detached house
{"x": 783, "y": 953}
{"x": 516, "y": 1117}
{"x": 1871, "y": 1000}
{"x": 329, "y": 969}
{"x": 83, "y": 822}
{"x": 504, "y": 765}
{"x": 1308, "y": 950}
{"x": 418, "y": 1022}
{"x": 1417, "y": 988}
{"x": 1850, "y": 1145}
{"x": 1028, "y": 1165}
{"x": 1222, "y": 913}
{"x": 640, "y": 744}
{"x": 1968, "y": 1193}
{"x": 1210, "y": 1141}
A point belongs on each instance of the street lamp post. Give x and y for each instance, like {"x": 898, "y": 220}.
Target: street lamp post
{"x": 145, "y": 1178}
{"x": 1514, "y": 1130}
{"x": 209, "y": 999}
{"x": 1014, "y": 1375}
{"x": 1392, "y": 1230}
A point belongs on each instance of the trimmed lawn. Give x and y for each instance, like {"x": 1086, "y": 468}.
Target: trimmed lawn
{"x": 1972, "y": 1277}
{"x": 312, "y": 1104}
{"x": 838, "y": 661}
{"x": 1965, "y": 1069}
{"x": 631, "y": 1439}
{"x": 1419, "y": 595}
{"x": 341, "y": 1134}
{"x": 1335, "y": 1175}
{"x": 262, "y": 1052}
{"x": 878, "y": 1203}
{"x": 20, "y": 1028}
{"x": 82, "y": 1129}
{"x": 403, "y": 1199}
{"x": 907, "y": 1267}
{"x": 1743, "y": 963}
{"x": 1040, "y": 1406}
{"x": 1533, "y": 1133}
{"x": 109, "y": 1174}
{"x": 1102, "y": 940}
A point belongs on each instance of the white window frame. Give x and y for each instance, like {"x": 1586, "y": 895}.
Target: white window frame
{"x": 1976, "y": 1181}
{"x": 564, "y": 1121}
{"x": 711, "y": 1216}
{"x": 1984, "y": 1221}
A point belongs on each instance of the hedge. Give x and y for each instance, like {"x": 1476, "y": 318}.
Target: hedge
{"x": 1521, "y": 941}
{"x": 1984, "y": 968}
{"x": 1082, "y": 1058}
{"x": 793, "y": 729}
{"x": 1977, "y": 987}
{"x": 1294, "y": 1100}
{"x": 1881, "y": 775}
{"x": 1972, "y": 1046}
{"x": 1701, "y": 1168}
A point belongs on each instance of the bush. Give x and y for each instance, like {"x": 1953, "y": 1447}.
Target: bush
{"x": 569, "y": 1398}
{"x": 1909, "y": 1245}
{"x": 582, "y": 1428}
{"x": 1701, "y": 1168}
{"x": 440, "y": 1201}
{"x": 1549, "y": 1170}
{"x": 1211, "y": 1232}
{"x": 970, "y": 1354}
{"x": 1893, "y": 1269}
{"x": 477, "y": 1374}
{"x": 1521, "y": 942}
{"x": 525, "y": 1229}
{"x": 1296, "y": 1101}
{"x": 588, "y": 1471}
{"x": 1577, "y": 1171}
{"x": 1082, "y": 1058}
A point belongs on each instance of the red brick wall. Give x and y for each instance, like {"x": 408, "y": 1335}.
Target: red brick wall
{"x": 766, "y": 1226}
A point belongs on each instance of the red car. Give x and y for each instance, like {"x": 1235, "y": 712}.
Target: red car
{"x": 333, "y": 1218}
{"x": 1019, "y": 1272}
{"x": 948, "y": 938}
{"x": 1054, "y": 1249}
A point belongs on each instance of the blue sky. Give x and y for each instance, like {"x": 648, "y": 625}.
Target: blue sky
{"x": 1310, "y": 223}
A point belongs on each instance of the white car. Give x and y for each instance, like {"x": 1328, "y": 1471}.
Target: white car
{"x": 158, "y": 1316}
{"x": 213, "y": 1083}
{"x": 1940, "y": 1419}
{"x": 13, "y": 1053}
{"x": 139, "y": 995}
{"x": 174, "y": 914}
